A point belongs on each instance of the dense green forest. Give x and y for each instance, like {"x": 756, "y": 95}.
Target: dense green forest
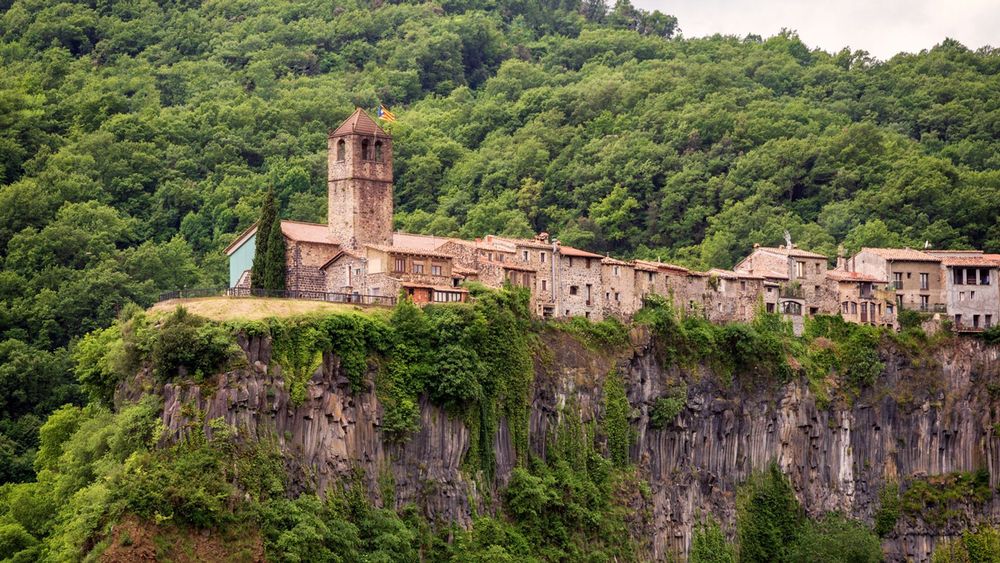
{"x": 138, "y": 137}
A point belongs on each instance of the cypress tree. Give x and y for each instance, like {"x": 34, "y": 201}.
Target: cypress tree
{"x": 268, "y": 215}
{"x": 274, "y": 262}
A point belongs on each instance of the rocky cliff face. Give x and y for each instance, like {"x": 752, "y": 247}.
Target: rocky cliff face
{"x": 919, "y": 420}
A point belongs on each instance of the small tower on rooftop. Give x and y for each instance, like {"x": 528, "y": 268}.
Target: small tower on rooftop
{"x": 359, "y": 182}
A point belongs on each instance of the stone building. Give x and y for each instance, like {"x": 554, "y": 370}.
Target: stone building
{"x": 972, "y": 292}
{"x": 863, "y": 298}
{"x": 356, "y": 256}
{"x": 915, "y": 276}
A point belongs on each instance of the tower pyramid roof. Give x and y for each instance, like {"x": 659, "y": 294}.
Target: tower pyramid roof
{"x": 359, "y": 124}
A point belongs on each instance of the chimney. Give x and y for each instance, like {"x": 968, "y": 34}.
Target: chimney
{"x": 841, "y": 261}
{"x": 756, "y": 245}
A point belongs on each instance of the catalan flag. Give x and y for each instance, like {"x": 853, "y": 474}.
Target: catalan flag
{"x": 385, "y": 114}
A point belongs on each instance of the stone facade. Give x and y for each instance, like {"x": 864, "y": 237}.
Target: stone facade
{"x": 360, "y": 183}
{"x": 915, "y": 276}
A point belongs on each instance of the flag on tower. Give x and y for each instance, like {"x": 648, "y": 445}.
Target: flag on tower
{"x": 385, "y": 114}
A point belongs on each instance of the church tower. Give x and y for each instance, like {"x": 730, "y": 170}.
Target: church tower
{"x": 359, "y": 182}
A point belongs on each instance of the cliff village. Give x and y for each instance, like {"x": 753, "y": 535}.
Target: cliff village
{"x": 357, "y": 257}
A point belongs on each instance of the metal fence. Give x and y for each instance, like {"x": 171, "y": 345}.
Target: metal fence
{"x": 331, "y": 297}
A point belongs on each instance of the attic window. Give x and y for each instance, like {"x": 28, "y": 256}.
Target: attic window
{"x": 378, "y": 151}
{"x": 341, "y": 150}
{"x": 366, "y": 150}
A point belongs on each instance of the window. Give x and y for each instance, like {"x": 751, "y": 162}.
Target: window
{"x": 341, "y": 150}
{"x": 378, "y": 151}
{"x": 800, "y": 269}
{"x": 897, "y": 280}
{"x": 899, "y": 301}
{"x": 989, "y": 321}
{"x": 573, "y": 289}
{"x": 961, "y": 296}
{"x": 957, "y": 277}
{"x": 854, "y": 308}
{"x": 791, "y": 308}
{"x": 972, "y": 295}
{"x": 418, "y": 267}
{"x": 588, "y": 293}
{"x": 617, "y": 298}
{"x": 455, "y": 282}
{"x": 888, "y": 309}
{"x": 400, "y": 265}
{"x": 544, "y": 285}
{"x": 924, "y": 302}
{"x": 447, "y": 296}
{"x": 366, "y": 150}
{"x": 769, "y": 307}
{"x": 975, "y": 321}
{"x": 435, "y": 270}
{"x": 541, "y": 256}
{"x": 743, "y": 285}
{"x": 845, "y": 307}
{"x": 570, "y": 261}
{"x": 615, "y": 270}
{"x": 524, "y": 254}
{"x": 984, "y": 277}
{"x": 588, "y": 263}
{"x": 970, "y": 276}
{"x": 958, "y": 320}
{"x": 924, "y": 281}
{"x": 357, "y": 271}
{"x": 650, "y": 275}
{"x": 909, "y": 275}
{"x": 818, "y": 271}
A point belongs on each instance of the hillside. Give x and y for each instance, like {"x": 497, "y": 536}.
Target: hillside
{"x": 137, "y": 138}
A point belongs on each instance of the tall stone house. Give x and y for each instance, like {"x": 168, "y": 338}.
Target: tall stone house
{"x": 357, "y": 257}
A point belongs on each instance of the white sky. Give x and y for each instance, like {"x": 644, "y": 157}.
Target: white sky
{"x": 881, "y": 27}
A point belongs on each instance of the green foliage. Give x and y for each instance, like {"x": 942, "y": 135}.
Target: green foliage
{"x": 979, "y": 546}
{"x": 888, "y": 510}
{"x": 272, "y": 273}
{"x": 666, "y": 408}
{"x": 606, "y": 335}
{"x": 187, "y": 345}
{"x": 616, "y": 419}
{"x": 910, "y": 319}
{"x": 768, "y": 516}
{"x": 838, "y": 540}
{"x": 771, "y": 526}
{"x": 937, "y": 499}
{"x": 259, "y": 271}
{"x": 709, "y": 545}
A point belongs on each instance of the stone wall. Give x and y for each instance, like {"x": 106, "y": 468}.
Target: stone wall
{"x": 303, "y": 261}
{"x": 573, "y": 272}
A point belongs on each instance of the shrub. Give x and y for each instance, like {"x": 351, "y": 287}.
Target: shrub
{"x": 666, "y": 409}
{"x": 187, "y": 344}
{"x": 616, "y": 419}
{"x": 836, "y": 539}
{"x": 768, "y": 516}
{"x": 888, "y": 510}
{"x": 709, "y": 545}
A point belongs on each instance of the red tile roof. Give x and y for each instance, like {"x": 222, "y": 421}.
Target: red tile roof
{"x": 576, "y": 252}
{"x": 408, "y": 251}
{"x": 796, "y": 252}
{"x": 293, "y": 230}
{"x": 307, "y": 232}
{"x": 982, "y": 261}
{"x": 841, "y": 275}
{"x": 904, "y": 254}
{"x": 359, "y": 123}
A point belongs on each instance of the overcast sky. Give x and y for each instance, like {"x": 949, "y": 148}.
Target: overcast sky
{"x": 881, "y": 27}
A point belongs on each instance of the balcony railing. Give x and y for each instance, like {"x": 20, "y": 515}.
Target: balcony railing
{"x": 936, "y": 308}
{"x": 331, "y": 297}
{"x": 791, "y": 292}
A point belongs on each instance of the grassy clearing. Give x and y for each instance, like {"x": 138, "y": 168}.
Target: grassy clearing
{"x": 254, "y": 308}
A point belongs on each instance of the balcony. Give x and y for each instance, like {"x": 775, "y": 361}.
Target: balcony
{"x": 791, "y": 292}
{"x": 935, "y": 308}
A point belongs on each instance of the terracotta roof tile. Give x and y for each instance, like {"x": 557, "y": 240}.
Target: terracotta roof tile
{"x": 984, "y": 261}
{"x": 307, "y": 232}
{"x": 423, "y": 242}
{"x": 841, "y": 275}
{"x": 907, "y": 254}
{"x": 359, "y": 123}
{"x": 796, "y": 252}
{"x": 576, "y": 252}
{"x": 408, "y": 251}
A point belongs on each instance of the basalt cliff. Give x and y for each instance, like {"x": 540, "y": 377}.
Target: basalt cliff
{"x": 922, "y": 419}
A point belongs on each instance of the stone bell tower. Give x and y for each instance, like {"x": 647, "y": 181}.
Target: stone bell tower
{"x": 359, "y": 182}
